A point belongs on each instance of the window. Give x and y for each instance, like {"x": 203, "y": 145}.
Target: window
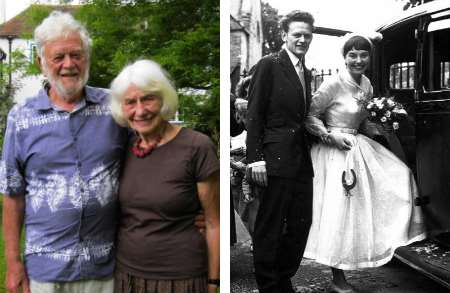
{"x": 445, "y": 74}
{"x": 402, "y": 75}
{"x": 399, "y": 57}
{"x": 32, "y": 53}
{"x": 437, "y": 56}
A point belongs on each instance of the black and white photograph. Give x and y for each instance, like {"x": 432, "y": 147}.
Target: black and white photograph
{"x": 339, "y": 146}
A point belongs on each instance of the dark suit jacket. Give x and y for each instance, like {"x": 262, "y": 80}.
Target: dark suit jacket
{"x": 275, "y": 117}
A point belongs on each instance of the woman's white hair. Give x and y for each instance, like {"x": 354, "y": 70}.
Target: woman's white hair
{"x": 60, "y": 25}
{"x": 149, "y": 77}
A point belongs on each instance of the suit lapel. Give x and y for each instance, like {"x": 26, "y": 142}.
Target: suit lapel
{"x": 289, "y": 70}
{"x": 292, "y": 75}
{"x": 308, "y": 86}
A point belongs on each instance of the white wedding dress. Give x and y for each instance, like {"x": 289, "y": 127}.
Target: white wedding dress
{"x": 361, "y": 228}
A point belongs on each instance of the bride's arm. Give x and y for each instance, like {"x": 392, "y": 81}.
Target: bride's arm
{"x": 314, "y": 123}
{"x": 321, "y": 100}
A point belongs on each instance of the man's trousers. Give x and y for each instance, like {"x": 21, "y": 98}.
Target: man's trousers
{"x": 281, "y": 232}
{"x": 84, "y": 286}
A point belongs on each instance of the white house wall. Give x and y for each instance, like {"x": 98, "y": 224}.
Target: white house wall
{"x": 245, "y": 51}
{"x": 28, "y": 86}
{"x": 256, "y": 33}
{"x": 248, "y": 13}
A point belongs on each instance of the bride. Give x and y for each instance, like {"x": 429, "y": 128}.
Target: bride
{"x": 362, "y": 227}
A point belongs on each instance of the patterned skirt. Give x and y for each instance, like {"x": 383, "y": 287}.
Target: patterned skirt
{"x": 127, "y": 283}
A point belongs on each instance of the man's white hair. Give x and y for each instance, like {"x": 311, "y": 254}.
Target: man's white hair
{"x": 149, "y": 77}
{"x": 60, "y": 25}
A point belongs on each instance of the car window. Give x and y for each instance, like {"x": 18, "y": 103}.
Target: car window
{"x": 401, "y": 75}
{"x": 437, "y": 54}
{"x": 399, "y": 53}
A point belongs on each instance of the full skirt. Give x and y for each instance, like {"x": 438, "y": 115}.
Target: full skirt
{"x": 362, "y": 227}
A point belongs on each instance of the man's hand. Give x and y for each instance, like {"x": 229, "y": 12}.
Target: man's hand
{"x": 199, "y": 222}
{"x": 16, "y": 278}
{"x": 259, "y": 175}
{"x": 241, "y": 105}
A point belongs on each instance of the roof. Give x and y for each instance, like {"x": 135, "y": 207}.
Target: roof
{"x": 19, "y": 25}
{"x": 424, "y": 9}
{"x": 330, "y": 31}
{"x": 235, "y": 25}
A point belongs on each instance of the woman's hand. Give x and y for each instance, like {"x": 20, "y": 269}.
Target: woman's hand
{"x": 340, "y": 141}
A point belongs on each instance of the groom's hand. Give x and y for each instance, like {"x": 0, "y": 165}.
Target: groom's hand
{"x": 259, "y": 175}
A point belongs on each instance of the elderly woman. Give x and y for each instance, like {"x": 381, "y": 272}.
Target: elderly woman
{"x": 170, "y": 173}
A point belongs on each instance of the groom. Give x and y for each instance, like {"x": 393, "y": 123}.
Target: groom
{"x": 279, "y": 99}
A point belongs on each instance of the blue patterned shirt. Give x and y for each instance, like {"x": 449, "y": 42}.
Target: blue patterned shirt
{"x": 67, "y": 166}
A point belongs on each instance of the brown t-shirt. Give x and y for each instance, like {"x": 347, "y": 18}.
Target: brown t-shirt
{"x": 157, "y": 237}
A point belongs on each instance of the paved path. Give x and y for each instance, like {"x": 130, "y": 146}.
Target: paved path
{"x": 313, "y": 278}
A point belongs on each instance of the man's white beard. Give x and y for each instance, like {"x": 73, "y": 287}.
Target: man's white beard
{"x": 58, "y": 86}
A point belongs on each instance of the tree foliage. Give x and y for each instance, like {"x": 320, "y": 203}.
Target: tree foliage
{"x": 413, "y": 3}
{"x": 182, "y": 35}
{"x": 271, "y": 29}
{"x": 18, "y": 68}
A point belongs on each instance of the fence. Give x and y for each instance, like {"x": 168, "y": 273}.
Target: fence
{"x": 319, "y": 76}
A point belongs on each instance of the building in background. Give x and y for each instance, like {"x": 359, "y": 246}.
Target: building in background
{"x": 246, "y": 37}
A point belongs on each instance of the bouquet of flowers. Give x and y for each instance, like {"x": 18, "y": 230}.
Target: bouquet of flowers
{"x": 386, "y": 111}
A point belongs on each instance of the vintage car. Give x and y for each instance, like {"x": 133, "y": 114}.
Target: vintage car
{"x": 412, "y": 63}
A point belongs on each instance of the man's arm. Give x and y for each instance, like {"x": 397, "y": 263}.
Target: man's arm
{"x": 13, "y": 215}
{"x": 259, "y": 94}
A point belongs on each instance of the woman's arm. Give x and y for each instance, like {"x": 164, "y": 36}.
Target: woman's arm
{"x": 208, "y": 193}
{"x": 320, "y": 102}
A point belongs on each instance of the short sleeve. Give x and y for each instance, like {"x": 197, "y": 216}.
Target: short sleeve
{"x": 11, "y": 175}
{"x": 205, "y": 161}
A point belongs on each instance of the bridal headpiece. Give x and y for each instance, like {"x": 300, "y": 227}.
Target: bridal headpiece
{"x": 371, "y": 37}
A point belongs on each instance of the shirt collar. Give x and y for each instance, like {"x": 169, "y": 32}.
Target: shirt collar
{"x": 43, "y": 100}
{"x": 294, "y": 59}
{"x": 364, "y": 85}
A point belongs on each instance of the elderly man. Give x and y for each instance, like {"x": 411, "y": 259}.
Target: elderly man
{"x": 59, "y": 172}
{"x": 278, "y": 155}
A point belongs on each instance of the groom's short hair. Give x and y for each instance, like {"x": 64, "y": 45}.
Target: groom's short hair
{"x": 296, "y": 15}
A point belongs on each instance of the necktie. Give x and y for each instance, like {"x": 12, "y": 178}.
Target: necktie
{"x": 301, "y": 76}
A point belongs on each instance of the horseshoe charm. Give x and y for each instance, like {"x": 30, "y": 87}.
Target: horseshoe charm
{"x": 346, "y": 185}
